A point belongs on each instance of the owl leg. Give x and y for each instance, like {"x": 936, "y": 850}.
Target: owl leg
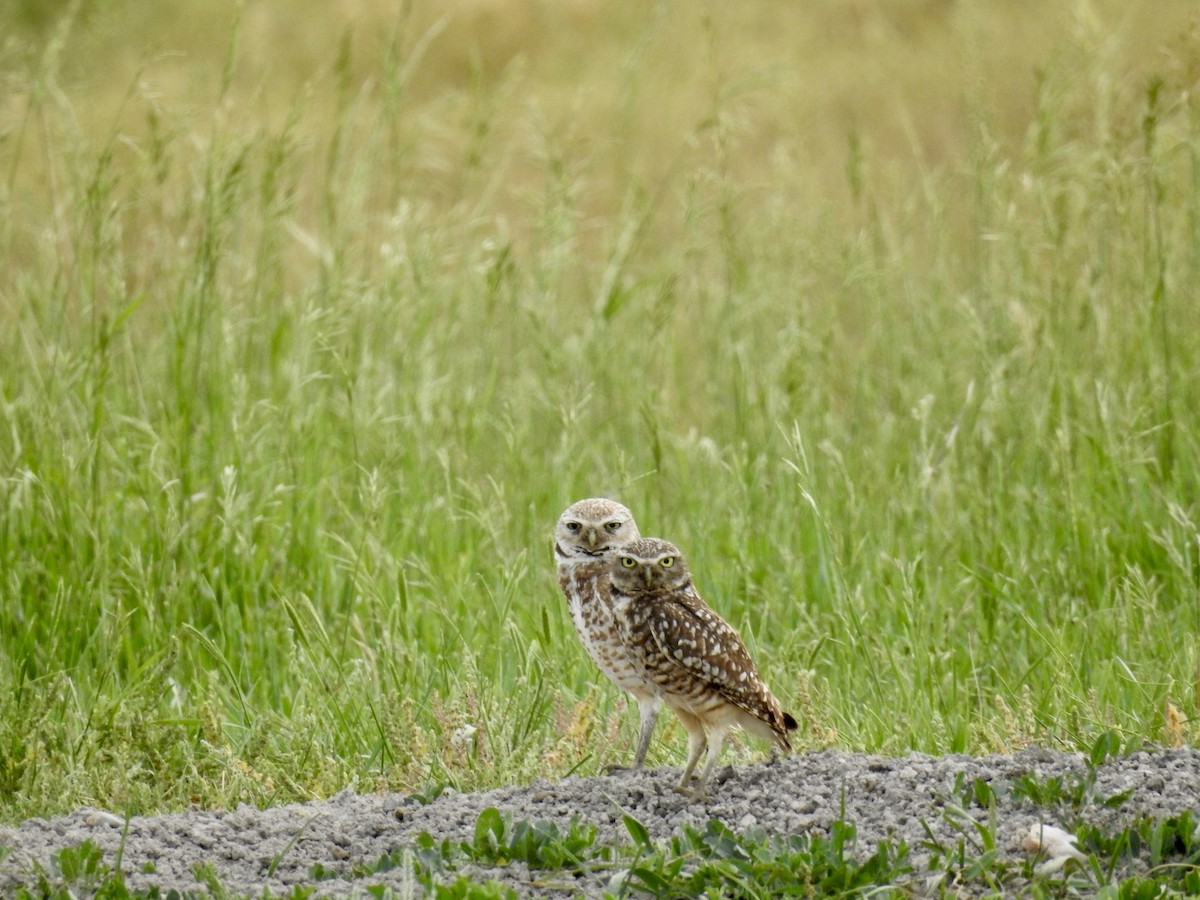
{"x": 648, "y": 708}
{"x": 696, "y": 742}
{"x": 716, "y": 740}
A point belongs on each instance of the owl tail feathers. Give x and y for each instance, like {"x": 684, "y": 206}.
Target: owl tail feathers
{"x": 784, "y": 722}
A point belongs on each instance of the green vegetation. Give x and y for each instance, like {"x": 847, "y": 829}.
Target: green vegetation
{"x": 303, "y": 355}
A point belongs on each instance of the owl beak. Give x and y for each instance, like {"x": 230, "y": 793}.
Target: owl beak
{"x": 592, "y": 537}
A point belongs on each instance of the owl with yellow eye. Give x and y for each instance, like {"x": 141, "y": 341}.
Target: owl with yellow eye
{"x": 689, "y": 656}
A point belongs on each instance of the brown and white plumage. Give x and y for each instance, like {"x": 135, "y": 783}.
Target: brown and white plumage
{"x": 690, "y": 655}
{"x": 586, "y": 538}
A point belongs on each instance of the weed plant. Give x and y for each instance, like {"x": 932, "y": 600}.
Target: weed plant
{"x": 293, "y": 392}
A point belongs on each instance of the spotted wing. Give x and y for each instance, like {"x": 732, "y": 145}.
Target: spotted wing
{"x": 691, "y": 637}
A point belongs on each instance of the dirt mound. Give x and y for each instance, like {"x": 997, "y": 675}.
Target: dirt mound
{"x": 915, "y": 798}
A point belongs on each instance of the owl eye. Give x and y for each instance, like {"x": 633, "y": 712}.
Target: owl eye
{"x": 628, "y": 562}
{"x": 667, "y": 561}
{"x": 573, "y": 526}
{"x": 612, "y": 527}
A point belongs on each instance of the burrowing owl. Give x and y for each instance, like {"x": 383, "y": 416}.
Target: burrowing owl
{"x": 690, "y": 655}
{"x": 586, "y": 538}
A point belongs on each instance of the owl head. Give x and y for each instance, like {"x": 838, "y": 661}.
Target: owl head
{"x": 648, "y": 564}
{"x": 593, "y": 528}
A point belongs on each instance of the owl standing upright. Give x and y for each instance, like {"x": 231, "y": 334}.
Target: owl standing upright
{"x": 588, "y": 535}
{"x": 690, "y": 655}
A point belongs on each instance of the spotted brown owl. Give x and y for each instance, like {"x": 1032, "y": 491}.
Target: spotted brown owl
{"x": 688, "y": 654}
{"x": 586, "y": 538}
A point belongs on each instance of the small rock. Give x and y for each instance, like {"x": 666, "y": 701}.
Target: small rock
{"x": 100, "y": 817}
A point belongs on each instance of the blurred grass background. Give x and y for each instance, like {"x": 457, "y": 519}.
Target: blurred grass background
{"x": 315, "y": 315}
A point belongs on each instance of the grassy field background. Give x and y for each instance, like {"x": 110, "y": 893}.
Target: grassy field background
{"x": 314, "y": 316}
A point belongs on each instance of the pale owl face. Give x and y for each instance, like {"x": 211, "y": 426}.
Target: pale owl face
{"x": 593, "y": 528}
{"x": 649, "y": 564}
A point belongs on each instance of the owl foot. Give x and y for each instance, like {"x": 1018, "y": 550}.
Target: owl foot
{"x": 699, "y": 792}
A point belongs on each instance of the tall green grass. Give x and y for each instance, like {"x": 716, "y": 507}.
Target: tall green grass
{"x": 291, "y": 403}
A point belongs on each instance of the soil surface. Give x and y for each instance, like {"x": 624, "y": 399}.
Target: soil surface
{"x": 897, "y": 798}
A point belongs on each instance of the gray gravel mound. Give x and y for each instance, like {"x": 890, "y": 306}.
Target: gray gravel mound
{"x": 896, "y": 798}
